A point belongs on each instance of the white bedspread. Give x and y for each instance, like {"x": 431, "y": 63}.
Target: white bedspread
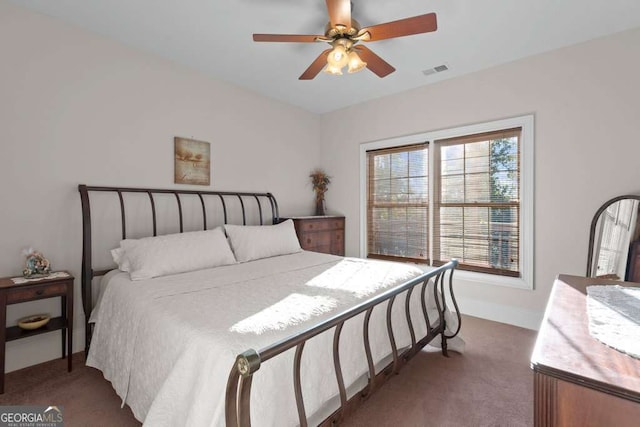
{"x": 167, "y": 344}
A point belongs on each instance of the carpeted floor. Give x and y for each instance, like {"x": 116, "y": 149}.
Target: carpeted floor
{"x": 491, "y": 384}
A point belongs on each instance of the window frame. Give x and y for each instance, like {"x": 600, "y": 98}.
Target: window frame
{"x": 526, "y": 249}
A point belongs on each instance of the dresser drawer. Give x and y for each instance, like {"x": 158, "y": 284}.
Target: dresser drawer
{"x": 337, "y": 243}
{"x": 330, "y": 242}
{"x": 36, "y": 292}
{"x": 309, "y": 241}
{"x": 321, "y": 224}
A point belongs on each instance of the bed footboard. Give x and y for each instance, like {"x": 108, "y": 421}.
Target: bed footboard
{"x": 238, "y": 394}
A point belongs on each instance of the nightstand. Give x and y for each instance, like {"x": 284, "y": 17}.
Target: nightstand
{"x": 320, "y": 233}
{"x": 11, "y": 293}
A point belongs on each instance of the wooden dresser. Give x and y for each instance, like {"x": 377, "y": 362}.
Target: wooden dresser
{"x": 320, "y": 233}
{"x": 578, "y": 381}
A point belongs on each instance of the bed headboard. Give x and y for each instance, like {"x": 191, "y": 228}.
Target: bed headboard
{"x": 249, "y": 203}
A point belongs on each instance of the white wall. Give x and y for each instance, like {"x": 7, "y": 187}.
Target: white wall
{"x": 586, "y": 104}
{"x": 78, "y": 108}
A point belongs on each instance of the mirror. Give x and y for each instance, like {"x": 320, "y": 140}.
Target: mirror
{"x": 614, "y": 240}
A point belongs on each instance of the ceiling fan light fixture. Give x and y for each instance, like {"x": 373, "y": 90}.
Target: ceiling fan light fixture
{"x": 338, "y": 56}
{"x": 332, "y": 69}
{"x": 355, "y": 63}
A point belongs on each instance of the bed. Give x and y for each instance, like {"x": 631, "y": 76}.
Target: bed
{"x": 295, "y": 338}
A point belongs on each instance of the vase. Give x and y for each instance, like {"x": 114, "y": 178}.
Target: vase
{"x": 320, "y": 207}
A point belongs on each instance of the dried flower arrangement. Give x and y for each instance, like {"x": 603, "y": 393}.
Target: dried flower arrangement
{"x": 320, "y": 181}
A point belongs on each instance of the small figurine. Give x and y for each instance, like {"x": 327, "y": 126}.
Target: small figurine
{"x": 36, "y": 264}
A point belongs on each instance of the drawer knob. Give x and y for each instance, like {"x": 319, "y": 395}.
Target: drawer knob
{"x": 308, "y": 240}
{"x": 40, "y": 292}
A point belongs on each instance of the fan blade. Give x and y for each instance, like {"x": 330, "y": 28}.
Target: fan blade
{"x": 403, "y": 27}
{"x": 298, "y": 38}
{"x": 339, "y": 12}
{"x": 376, "y": 64}
{"x": 315, "y": 66}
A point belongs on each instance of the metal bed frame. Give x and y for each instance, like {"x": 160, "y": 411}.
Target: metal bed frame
{"x": 238, "y": 390}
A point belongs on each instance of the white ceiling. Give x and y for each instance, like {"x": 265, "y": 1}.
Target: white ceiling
{"x": 214, "y": 36}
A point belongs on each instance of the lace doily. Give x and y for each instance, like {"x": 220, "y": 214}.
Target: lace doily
{"x": 614, "y": 317}
{"x": 54, "y": 275}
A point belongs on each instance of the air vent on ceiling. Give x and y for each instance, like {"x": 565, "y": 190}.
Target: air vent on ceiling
{"x": 438, "y": 69}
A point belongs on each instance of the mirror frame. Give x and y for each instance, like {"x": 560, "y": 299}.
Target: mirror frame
{"x": 594, "y": 223}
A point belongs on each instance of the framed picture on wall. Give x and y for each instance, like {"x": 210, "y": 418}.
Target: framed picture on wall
{"x": 192, "y": 161}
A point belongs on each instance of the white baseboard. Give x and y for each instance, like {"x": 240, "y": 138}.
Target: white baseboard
{"x": 523, "y": 318}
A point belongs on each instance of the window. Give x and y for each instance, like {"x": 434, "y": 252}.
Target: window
{"x": 477, "y": 203}
{"x": 461, "y": 193}
{"x": 397, "y": 203}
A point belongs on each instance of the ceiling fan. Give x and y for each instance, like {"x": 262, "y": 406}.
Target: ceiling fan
{"x": 344, "y": 33}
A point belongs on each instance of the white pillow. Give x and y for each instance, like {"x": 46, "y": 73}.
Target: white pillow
{"x": 119, "y": 258}
{"x": 175, "y": 253}
{"x": 119, "y": 255}
{"x": 262, "y": 241}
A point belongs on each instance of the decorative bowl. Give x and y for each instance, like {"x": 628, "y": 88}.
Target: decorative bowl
{"x": 34, "y": 322}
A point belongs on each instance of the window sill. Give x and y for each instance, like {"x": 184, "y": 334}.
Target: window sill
{"x": 486, "y": 279}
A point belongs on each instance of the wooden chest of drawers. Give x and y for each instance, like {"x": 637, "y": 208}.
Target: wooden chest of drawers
{"x": 579, "y": 381}
{"x": 320, "y": 233}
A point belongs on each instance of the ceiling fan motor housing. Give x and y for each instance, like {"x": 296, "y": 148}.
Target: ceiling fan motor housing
{"x": 342, "y": 30}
